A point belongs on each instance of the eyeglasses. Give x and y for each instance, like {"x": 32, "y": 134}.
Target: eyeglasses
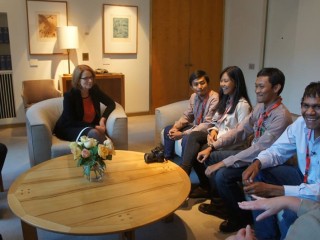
{"x": 87, "y": 78}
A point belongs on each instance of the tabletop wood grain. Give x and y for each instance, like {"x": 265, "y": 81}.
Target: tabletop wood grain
{"x": 55, "y": 195}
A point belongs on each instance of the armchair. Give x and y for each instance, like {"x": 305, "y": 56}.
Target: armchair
{"x": 41, "y": 119}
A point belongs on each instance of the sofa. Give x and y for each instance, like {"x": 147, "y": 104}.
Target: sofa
{"x": 41, "y": 118}
{"x": 168, "y": 114}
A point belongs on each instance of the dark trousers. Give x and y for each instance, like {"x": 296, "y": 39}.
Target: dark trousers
{"x": 270, "y": 228}
{"x": 227, "y": 182}
{"x": 197, "y": 141}
{"x": 169, "y": 143}
{"x": 3, "y": 154}
{"x": 215, "y": 157}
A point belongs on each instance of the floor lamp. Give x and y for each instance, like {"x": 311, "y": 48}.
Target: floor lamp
{"x": 68, "y": 39}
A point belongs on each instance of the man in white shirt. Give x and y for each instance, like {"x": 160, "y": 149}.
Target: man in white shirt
{"x": 268, "y": 177}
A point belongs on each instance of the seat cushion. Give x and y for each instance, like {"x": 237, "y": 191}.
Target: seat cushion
{"x": 59, "y": 147}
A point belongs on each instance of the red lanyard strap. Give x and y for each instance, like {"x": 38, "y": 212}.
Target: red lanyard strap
{"x": 263, "y": 116}
{"x": 203, "y": 107}
{"x": 306, "y": 173}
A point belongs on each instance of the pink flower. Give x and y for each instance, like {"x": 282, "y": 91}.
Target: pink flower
{"x": 85, "y": 153}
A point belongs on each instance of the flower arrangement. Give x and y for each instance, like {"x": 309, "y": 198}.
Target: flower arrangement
{"x": 91, "y": 155}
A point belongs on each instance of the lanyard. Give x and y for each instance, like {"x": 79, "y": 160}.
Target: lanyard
{"x": 203, "y": 107}
{"x": 265, "y": 115}
{"x": 306, "y": 173}
{"x": 225, "y": 112}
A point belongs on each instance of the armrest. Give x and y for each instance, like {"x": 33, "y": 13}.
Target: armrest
{"x": 39, "y": 143}
{"x": 167, "y": 115}
{"x": 39, "y": 136}
{"x": 117, "y": 127}
{"x": 40, "y": 120}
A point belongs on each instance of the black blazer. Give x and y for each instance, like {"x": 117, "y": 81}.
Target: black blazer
{"x": 71, "y": 121}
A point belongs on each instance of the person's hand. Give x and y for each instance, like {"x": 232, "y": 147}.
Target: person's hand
{"x": 175, "y": 134}
{"x": 173, "y": 130}
{"x": 212, "y": 137}
{"x": 271, "y": 206}
{"x": 102, "y": 125}
{"x": 212, "y": 168}
{"x": 243, "y": 234}
{"x": 262, "y": 189}
{"x": 250, "y": 173}
{"x": 204, "y": 154}
{"x": 101, "y": 129}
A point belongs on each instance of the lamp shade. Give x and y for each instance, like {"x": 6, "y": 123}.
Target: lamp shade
{"x": 68, "y": 37}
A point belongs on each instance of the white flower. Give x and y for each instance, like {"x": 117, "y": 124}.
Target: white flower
{"x": 83, "y": 139}
{"x": 75, "y": 150}
{"x": 108, "y": 143}
{"x": 90, "y": 142}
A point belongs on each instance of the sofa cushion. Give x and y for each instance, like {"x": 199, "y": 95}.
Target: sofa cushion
{"x": 59, "y": 147}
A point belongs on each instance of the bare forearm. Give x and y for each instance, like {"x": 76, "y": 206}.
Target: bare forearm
{"x": 276, "y": 191}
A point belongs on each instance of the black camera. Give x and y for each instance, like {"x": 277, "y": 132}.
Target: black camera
{"x": 154, "y": 156}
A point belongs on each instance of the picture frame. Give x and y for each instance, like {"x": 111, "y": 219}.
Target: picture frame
{"x": 43, "y": 18}
{"x": 120, "y": 29}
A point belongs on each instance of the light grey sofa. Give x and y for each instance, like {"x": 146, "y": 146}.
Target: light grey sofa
{"x": 167, "y": 115}
{"x": 41, "y": 119}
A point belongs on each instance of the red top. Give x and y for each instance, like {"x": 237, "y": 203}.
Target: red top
{"x": 88, "y": 109}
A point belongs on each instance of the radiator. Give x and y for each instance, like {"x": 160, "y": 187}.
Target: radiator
{"x": 7, "y": 105}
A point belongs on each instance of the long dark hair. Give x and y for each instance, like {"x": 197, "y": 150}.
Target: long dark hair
{"x": 236, "y": 75}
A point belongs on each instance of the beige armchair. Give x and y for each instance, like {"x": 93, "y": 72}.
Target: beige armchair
{"x": 34, "y": 91}
{"x": 41, "y": 119}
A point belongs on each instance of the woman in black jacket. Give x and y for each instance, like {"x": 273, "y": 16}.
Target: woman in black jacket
{"x": 81, "y": 108}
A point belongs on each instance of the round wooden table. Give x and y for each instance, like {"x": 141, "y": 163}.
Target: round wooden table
{"x": 55, "y": 196}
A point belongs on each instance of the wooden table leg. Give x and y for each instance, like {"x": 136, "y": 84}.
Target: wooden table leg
{"x": 1, "y": 183}
{"x": 169, "y": 218}
{"x": 29, "y": 232}
{"x": 128, "y": 235}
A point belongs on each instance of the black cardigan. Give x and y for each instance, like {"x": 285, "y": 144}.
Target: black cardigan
{"x": 71, "y": 121}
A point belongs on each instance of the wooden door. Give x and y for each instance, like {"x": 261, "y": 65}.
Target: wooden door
{"x": 170, "y": 51}
{"x": 186, "y": 35}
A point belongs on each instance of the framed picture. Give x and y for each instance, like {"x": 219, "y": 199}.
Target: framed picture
{"x": 120, "y": 27}
{"x": 43, "y": 19}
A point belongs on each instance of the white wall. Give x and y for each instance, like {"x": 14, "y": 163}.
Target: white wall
{"x": 292, "y": 42}
{"x": 87, "y": 15}
{"x": 244, "y": 38}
